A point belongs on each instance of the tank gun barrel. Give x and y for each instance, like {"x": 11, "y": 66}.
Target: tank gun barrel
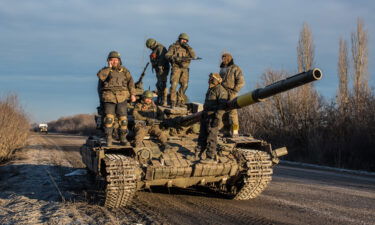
{"x": 289, "y": 83}
{"x": 257, "y": 95}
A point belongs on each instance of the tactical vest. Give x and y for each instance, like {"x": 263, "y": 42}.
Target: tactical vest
{"x": 146, "y": 110}
{"x": 116, "y": 80}
{"x": 179, "y": 51}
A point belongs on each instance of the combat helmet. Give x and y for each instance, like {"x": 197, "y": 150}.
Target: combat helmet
{"x": 150, "y": 43}
{"x": 183, "y": 36}
{"x": 148, "y": 94}
{"x": 114, "y": 54}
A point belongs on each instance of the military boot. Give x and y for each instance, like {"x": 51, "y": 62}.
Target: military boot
{"x": 234, "y": 130}
{"x": 165, "y": 97}
{"x": 108, "y": 134}
{"x": 210, "y": 158}
{"x": 123, "y": 140}
{"x": 199, "y": 154}
{"x": 173, "y": 104}
{"x": 109, "y": 140}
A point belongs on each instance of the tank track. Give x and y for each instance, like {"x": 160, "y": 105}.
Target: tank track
{"x": 121, "y": 181}
{"x": 258, "y": 174}
{"x": 251, "y": 182}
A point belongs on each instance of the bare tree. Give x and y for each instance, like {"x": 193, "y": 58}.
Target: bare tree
{"x": 360, "y": 61}
{"x": 306, "y": 101}
{"x": 294, "y": 111}
{"x": 305, "y": 49}
{"x": 342, "y": 72}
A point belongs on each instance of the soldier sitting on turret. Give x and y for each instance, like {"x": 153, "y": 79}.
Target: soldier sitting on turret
{"x": 145, "y": 115}
{"x": 213, "y": 110}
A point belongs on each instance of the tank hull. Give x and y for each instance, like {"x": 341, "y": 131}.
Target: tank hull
{"x": 243, "y": 170}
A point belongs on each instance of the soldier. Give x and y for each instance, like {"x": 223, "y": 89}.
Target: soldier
{"x": 161, "y": 66}
{"x": 213, "y": 110}
{"x": 116, "y": 86}
{"x": 145, "y": 115}
{"x": 179, "y": 55}
{"x": 233, "y": 81}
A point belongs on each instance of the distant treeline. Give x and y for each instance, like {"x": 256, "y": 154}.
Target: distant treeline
{"x": 338, "y": 132}
{"x": 83, "y": 124}
{"x": 14, "y": 126}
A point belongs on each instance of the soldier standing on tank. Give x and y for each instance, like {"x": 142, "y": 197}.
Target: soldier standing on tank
{"x": 213, "y": 110}
{"x": 179, "y": 55}
{"x": 161, "y": 66}
{"x": 233, "y": 81}
{"x": 145, "y": 116}
{"x": 116, "y": 87}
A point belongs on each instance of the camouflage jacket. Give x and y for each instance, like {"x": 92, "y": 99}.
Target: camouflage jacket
{"x": 233, "y": 79}
{"x": 216, "y": 99}
{"x": 115, "y": 85}
{"x": 158, "y": 59}
{"x": 178, "y": 54}
{"x": 143, "y": 111}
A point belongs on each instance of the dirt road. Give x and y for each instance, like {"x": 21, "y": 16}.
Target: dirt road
{"x": 35, "y": 190}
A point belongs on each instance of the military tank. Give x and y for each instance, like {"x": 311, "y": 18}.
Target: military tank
{"x": 243, "y": 170}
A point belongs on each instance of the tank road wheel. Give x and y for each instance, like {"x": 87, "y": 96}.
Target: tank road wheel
{"x": 121, "y": 181}
{"x": 257, "y": 176}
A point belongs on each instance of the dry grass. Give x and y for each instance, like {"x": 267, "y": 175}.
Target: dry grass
{"x": 78, "y": 124}
{"x": 14, "y": 126}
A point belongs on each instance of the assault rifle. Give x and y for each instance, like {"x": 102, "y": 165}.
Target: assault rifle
{"x": 139, "y": 83}
{"x": 186, "y": 58}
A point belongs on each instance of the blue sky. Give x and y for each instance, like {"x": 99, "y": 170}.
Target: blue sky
{"x": 51, "y": 50}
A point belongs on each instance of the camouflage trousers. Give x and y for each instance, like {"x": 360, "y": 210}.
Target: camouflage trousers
{"x": 179, "y": 76}
{"x": 207, "y": 139}
{"x": 142, "y": 130}
{"x": 161, "y": 84}
{"x": 230, "y": 120}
